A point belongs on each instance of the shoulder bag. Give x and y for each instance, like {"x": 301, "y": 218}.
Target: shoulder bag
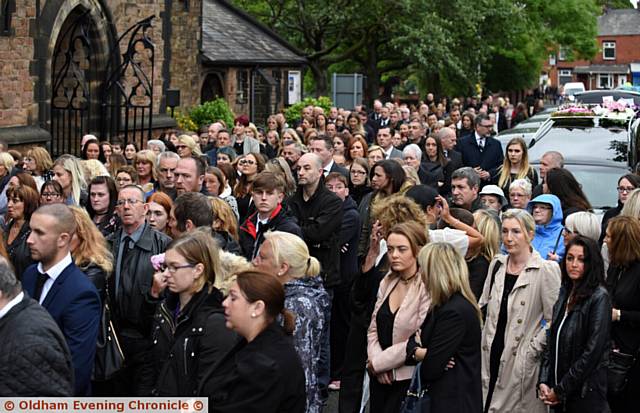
{"x": 109, "y": 358}
{"x": 417, "y": 399}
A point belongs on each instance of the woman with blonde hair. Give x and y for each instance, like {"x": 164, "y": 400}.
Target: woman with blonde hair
{"x": 281, "y": 167}
{"x": 452, "y": 330}
{"x": 90, "y": 251}
{"x": 399, "y": 311}
{"x": 286, "y": 256}
{"x": 291, "y": 134}
{"x": 187, "y": 147}
{"x": 519, "y": 294}
{"x": 189, "y": 335}
{"x": 38, "y": 163}
{"x": 224, "y": 219}
{"x": 631, "y": 207}
{"x": 479, "y": 258}
{"x": 515, "y": 166}
{"x": 93, "y": 168}
{"x": 375, "y": 154}
{"x": 145, "y": 164}
{"x": 68, "y": 171}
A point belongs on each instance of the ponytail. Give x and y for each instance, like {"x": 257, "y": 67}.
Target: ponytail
{"x": 313, "y": 267}
{"x": 288, "y": 321}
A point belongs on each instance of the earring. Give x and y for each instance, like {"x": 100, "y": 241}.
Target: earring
{"x": 279, "y": 273}
{"x": 253, "y": 315}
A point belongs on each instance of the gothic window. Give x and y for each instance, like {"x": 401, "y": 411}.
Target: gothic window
{"x": 8, "y": 8}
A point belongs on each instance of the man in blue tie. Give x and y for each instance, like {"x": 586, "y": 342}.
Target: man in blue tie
{"x": 65, "y": 291}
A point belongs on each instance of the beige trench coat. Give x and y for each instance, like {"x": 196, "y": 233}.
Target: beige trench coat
{"x": 531, "y": 300}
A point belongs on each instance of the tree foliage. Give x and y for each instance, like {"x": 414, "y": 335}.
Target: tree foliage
{"x": 450, "y": 47}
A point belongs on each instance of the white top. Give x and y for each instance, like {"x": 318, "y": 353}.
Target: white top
{"x": 455, "y": 237}
{"x": 53, "y": 273}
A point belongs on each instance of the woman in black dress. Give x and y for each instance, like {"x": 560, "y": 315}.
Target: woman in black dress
{"x": 22, "y": 202}
{"x": 623, "y": 280}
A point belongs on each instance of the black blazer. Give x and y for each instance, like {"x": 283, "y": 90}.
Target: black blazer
{"x": 337, "y": 168}
{"x": 489, "y": 159}
{"x": 452, "y": 330}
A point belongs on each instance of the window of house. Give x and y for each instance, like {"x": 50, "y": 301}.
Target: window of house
{"x": 622, "y": 79}
{"x": 609, "y": 50}
{"x": 8, "y": 7}
{"x": 605, "y": 81}
{"x": 242, "y": 90}
{"x": 564, "y": 76}
{"x": 562, "y": 53}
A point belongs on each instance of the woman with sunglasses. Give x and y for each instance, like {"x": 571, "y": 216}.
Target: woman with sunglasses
{"x": 189, "y": 334}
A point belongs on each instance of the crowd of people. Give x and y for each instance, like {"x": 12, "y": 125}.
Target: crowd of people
{"x": 348, "y": 251}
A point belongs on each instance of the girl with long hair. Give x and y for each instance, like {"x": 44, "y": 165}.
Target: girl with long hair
{"x": 515, "y": 166}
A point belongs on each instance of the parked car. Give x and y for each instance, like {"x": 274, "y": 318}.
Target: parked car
{"x": 525, "y": 129}
{"x": 594, "y": 97}
{"x": 597, "y": 151}
{"x": 570, "y": 89}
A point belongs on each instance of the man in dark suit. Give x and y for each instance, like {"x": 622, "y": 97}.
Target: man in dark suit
{"x": 323, "y": 147}
{"x": 448, "y": 139}
{"x": 65, "y": 291}
{"x": 500, "y": 122}
{"x": 385, "y": 142}
{"x": 480, "y": 150}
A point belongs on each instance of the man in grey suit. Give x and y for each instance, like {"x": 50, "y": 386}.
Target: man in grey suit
{"x": 384, "y": 140}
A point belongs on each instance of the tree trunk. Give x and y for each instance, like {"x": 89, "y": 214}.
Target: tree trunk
{"x": 372, "y": 89}
{"x": 319, "y": 73}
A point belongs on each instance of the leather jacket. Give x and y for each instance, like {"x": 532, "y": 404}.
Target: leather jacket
{"x": 132, "y": 310}
{"x": 580, "y": 355}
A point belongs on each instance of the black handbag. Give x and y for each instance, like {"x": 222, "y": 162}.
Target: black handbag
{"x": 417, "y": 399}
{"x": 619, "y": 366}
{"x": 109, "y": 356}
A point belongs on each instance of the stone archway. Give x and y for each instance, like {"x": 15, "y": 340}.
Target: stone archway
{"x": 212, "y": 88}
{"x": 76, "y": 37}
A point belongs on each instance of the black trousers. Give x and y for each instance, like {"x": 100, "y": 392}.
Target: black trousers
{"x": 354, "y": 366}
{"x": 137, "y": 378}
{"x": 340, "y": 322}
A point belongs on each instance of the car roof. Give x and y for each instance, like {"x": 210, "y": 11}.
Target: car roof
{"x": 595, "y": 96}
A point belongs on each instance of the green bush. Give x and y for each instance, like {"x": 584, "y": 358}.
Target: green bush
{"x": 212, "y": 111}
{"x": 292, "y": 113}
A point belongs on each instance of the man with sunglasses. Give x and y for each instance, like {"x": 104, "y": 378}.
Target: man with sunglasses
{"x": 480, "y": 150}
{"x": 132, "y": 247}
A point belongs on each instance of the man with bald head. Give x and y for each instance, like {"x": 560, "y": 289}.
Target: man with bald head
{"x": 449, "y": 140}
{"x": 65, "y": 291}
{"x": 319, "y": 213}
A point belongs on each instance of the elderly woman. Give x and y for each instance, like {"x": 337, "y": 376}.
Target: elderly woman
{"x": 412, "y": 155}
{"x": 38, "y": 163}
{"x": 519, "y": 295}
{"x": 286, "y": 256}
{"x": 156, "y": 146}
{"x": 520, "y": 193}
{"x": 375, "y": 154}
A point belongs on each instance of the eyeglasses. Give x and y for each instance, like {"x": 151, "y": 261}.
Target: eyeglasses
{"x": 49, "y": 194}
{"x": 122, "y": 202}
{"x": 356, "y": 172}
{"x": 180, "y": 147}
{"x": 247, "y": 162}
{"x": 626, "y": 189}
{"x": 175, "y": 269}
{"x": 542, "y": 206}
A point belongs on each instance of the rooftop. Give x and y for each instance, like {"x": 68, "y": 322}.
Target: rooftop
{"x": 616, "y": 22}
{"x": 231, "y": 36}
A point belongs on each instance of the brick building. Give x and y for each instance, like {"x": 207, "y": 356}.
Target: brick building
{"x": 617, "y": 61}
{"x": 72, "y": 67}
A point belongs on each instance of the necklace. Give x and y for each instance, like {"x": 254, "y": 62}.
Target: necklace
{"x": 406, "y": 280}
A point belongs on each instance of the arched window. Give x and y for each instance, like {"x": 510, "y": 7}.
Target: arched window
{"x": 8, "y": 8}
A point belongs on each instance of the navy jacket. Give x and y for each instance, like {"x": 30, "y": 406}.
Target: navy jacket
{"x": 489, "y": 159}
{"x": 349, "y": 237}
{"x": 74, "y": 304}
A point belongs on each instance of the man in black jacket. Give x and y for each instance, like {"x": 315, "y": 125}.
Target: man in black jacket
{"x": 319, "y": 213}
{"x": 267, "y": 194}
{"x": 480, "y": 150}
{"x": 132, "y": 246}
{"x": 34, "y": 357}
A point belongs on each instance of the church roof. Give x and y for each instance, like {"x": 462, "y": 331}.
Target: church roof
{"x": 231, "y": 36}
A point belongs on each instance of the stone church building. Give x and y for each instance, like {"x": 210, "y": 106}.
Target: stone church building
{"x": 113, "y": 67}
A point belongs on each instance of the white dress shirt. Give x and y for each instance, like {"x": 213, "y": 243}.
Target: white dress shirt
{"x": 16, "y": 300}
{"x": 53, "y": 273}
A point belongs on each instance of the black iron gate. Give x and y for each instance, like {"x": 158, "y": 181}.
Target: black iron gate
{"x": 127, "y": 99}
{"x": 72, "y": 67}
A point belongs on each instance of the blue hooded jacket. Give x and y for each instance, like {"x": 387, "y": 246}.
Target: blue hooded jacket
{"x": 549, "y": 237}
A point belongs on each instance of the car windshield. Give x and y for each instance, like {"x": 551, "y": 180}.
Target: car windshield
{"x": 572, "y": 91}
{"x": 598, "y": 183}
{"x": 580, "y": 139}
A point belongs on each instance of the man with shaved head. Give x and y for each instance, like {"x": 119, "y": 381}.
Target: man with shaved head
{"x": 65, "y": 291}
{"x": 319, "y": 213}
